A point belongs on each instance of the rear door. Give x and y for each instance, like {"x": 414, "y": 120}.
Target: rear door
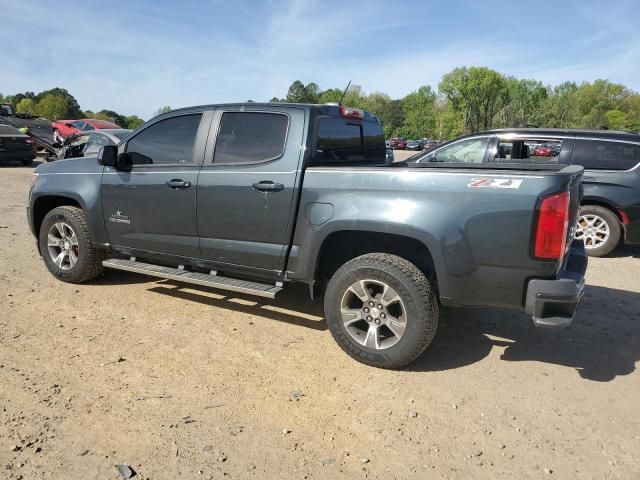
{"x": 152, "y": 207}
{"x": 246, "y": 187}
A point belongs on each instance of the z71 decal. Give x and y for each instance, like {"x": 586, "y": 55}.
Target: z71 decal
{"x": 494, "y": 183}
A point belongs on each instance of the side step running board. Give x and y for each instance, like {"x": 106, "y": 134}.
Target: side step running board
{"x": 181, "y": 275}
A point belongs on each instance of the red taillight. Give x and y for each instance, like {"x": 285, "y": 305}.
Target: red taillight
{"x": 351, "y": 113}
{"x": 551, "y": 230}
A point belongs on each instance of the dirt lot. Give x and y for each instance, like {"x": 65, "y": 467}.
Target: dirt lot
{"x": 192, "y": 383}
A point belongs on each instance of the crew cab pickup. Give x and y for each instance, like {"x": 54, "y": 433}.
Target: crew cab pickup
{"x": 251, "y": 197}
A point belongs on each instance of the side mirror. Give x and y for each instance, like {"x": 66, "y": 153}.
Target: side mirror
{"x": 108, "y": 156}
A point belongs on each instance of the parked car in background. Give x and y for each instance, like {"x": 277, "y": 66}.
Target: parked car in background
{"x": 429, "y": 144}
{"x": 87, "y": 144}
{"x": 397, "y": 143}
{"x": 63, "y": 128}
{"x": 15, "y": 145}
{"x": 544, "y": 151}
{"x": 414, "y": 145}
{"x": 610, "y": 205}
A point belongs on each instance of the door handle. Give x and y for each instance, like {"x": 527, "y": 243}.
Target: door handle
{"x": 178, "y": 183}
{"x": 268, "y": 186}
{"x": 589, "y": 179}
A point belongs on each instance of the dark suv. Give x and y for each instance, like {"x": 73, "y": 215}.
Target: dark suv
{"x": 611, "y": 202}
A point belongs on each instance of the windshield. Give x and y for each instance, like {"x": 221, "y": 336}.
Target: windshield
{"x": 121, "y": 135}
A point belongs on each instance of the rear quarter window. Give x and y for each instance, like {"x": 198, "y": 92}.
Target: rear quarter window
{"x": 604, "y": 155}
{"x": 342, "y": 141}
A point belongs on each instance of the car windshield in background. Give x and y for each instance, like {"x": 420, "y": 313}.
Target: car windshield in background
{"x": 121, "y": 135}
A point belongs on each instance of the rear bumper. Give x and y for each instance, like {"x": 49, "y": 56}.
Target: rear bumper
{"x": 553, "y": 303}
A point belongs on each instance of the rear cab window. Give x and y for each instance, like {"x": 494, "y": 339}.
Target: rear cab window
{"x": 343, "y": 141}
{"x": 605, "y": 155}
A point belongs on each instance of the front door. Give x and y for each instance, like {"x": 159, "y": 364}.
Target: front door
{"x": 246, "y": 189}
{"x": 152, "y": 206}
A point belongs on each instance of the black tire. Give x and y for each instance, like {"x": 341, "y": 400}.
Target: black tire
{"x": 412, "y": 287}
{"x": 27, "y": 162}
{"x": 89, "y": 263}
{"x": 615, "y": 231}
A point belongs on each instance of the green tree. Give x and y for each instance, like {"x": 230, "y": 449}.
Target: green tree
{"x": 27, "y": 106}
{"x": 449, "y": 121}
{"x": 133, "y": 122}
{"x": 162, "y": 110}
{"x": 73, "y": 108}
{"x": 330, "y": 96}
{"x": 419, "y": 108}
{"x": 478, "y": 93}
{"x": 300, "y": 93}
{"x": 52, "y": 106}
{"x": 526, "y": 97}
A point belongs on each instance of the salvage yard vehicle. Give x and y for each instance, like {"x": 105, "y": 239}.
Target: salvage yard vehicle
{"x": 87, "y": 144}
{"x": 39, "y": 128}
{"x": 15, "y": 145}
{"x": 610, "y": 208}
{"x": 251, "y": 197}
{"x": 63, "y": 128}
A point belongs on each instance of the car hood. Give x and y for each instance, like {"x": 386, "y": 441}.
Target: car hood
{"x": 88, "y": 165}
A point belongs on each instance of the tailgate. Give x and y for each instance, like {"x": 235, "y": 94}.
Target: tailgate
{"x": 574, "y": 187}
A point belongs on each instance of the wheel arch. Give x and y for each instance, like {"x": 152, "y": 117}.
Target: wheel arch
{"x": 340, "y": 246}
{"x": 599, "y": 202}
{"x": 44, "y": 204}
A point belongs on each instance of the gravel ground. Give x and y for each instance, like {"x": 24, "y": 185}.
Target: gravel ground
{"x": 177, "y": 381}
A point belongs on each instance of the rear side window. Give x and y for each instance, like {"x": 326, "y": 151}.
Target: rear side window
{"x": 250, "y": 137}
{"x": 528, "y": 150}
{"x": 341, "y": 141}
{"x": 601, "y": 155}
{"x": 167, "y": 142}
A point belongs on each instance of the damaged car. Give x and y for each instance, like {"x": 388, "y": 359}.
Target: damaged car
{"x": 87, "y": 144}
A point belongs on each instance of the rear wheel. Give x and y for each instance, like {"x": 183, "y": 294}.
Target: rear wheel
{"x": 599, "y": 228}
{"x": 66, "y": 247}
{"x": 381, "y": 310}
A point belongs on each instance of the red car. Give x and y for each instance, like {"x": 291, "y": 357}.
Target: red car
{"x": 543, "y": 151}
{"x": 398, "y": 143}
{"x": 63, "y": 128}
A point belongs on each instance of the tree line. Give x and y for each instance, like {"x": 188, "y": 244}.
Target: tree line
{"x": 471, "y": 99}
{"x": 58, "y": 103}
{"x": 468, "y": 99}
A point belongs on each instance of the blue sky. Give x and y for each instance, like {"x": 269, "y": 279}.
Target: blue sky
{"x": 134, "y": 56}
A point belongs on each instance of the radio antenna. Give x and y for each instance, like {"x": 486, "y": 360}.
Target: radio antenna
{"x": 344, "y": 93}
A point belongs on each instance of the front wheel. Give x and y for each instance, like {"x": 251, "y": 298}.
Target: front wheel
{"x": 381, "y": 310}
{"x": 599, "y": 228}
{"x": 66, "y": 247}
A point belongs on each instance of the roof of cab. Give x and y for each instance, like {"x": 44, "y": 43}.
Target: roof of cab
{"x": 321, "y": 108}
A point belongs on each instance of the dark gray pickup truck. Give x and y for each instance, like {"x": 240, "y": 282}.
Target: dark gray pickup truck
{"x": 249, "y": 197}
